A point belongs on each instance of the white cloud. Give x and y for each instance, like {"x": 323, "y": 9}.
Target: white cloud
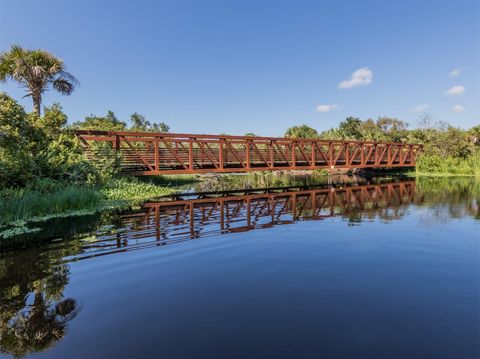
{"x": 455, "y": 72}
{"x": 458, "y": 108}
{"x": 456, "y": 90}
{"x": 419, "y": 108}
{"x": 326, "y": 108}
{"x": 360, "y": 77}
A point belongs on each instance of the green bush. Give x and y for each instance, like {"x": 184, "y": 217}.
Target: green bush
{"x": 435, "y": 164}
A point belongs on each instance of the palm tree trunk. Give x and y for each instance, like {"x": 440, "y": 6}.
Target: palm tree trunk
{"x": 37, "y": 101}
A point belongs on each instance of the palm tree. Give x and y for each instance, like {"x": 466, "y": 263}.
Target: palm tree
{"x": 36, "y": 71}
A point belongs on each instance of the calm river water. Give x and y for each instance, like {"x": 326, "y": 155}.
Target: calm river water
{"x": 264, "y": 269}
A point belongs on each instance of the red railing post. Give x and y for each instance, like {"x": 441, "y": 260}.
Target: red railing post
{"x": 347, "y": 155}
{"x": 272, "y": 160}
{"x": 313, "y": 159}
{"x": 330, "y": 154}
{"x": 190, "y": 154}
{"x": 247, "y": 153}
{"x": 294, "y": 159}
{"x": 362, "y": 155}
{"x": 157, "y": 159}
{"x": 220, "y": 153}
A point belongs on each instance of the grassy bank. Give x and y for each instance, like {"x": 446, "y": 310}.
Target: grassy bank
{"x": 47, "y": 199}
{"x": 434, "y": 165}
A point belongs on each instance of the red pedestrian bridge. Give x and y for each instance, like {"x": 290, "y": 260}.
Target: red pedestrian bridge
{"x": 146, "y": 153}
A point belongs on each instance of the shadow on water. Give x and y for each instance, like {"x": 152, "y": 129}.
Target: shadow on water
{"x": 34, "y": 313}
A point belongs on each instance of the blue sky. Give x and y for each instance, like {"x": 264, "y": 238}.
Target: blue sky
{"x": 257, "y": 66}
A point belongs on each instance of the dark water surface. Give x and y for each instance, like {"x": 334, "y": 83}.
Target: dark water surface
{"x": 355, "y": 270}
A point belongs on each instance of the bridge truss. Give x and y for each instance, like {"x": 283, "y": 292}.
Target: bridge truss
{"x": 144, "y": 153}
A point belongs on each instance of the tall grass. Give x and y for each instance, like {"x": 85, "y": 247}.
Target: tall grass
{"x": 27, "y": 203}
{"x": 46, "y": 198}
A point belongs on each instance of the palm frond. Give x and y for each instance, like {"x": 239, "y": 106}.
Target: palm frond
{"x": 63, "y": 86}
{"x": 69, "y": 77}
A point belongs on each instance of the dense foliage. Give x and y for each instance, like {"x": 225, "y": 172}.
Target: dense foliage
{"x": 33, "y": 147}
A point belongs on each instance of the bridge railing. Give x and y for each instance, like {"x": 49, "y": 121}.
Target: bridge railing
{"x": 145, "y": 153}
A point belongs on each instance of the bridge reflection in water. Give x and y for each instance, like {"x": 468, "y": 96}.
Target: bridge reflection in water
{"x": 208, "y": 214}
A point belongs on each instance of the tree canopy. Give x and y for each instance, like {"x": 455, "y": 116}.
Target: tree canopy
{"x": 302, "y": 131}
{"x": 110, "y": 122}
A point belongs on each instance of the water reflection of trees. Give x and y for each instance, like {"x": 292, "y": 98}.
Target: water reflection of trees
{"x": 33, "y": 310}
{"x": 447, "y": 198}
{"x": 271, "y": 179}
{"x": 357, "y": 216}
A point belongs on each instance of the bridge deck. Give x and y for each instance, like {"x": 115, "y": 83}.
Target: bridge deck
{"x": 144, "y": 153}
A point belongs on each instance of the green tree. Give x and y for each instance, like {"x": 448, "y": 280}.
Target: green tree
{"x": 351, "y": 128}
{"x": 37, "y": 71}
{"x": 302, "y": 131}
{"x": 474, "y": 135}
{"x": 141, "y": 124}
{"x": 394, "y": 129}
{"x": 16, "y": 137}
{"x": 455, "y": 142}
{"x": 332, "y": 134}
{"x": 109, "y": 122}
